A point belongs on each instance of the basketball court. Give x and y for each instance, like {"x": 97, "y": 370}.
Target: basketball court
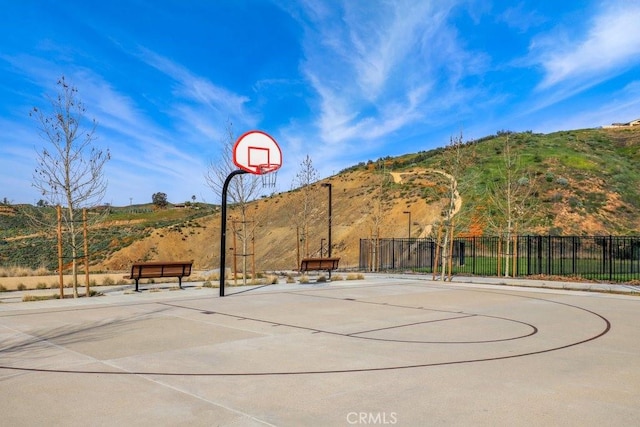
{"x": 387, "y": 350}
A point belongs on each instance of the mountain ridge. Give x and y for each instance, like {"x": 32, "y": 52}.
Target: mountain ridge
{"x": 587, "y": 184}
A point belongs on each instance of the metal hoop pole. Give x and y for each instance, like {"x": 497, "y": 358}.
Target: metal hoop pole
{"x": 223, "y": 227}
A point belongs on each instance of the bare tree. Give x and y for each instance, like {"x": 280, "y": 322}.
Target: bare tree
{"x": 375, "y": 207}
{"x": 242, "y": 190}
{"x": 306, "y": 201}
{"x": 70, "y": 167}
{"x": 511, "y": 199}
{"x": 455, "y": 163}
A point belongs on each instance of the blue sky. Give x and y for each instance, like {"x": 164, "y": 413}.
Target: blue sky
{"x": 342, "y": 81}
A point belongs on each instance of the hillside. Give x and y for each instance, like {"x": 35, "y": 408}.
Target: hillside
{"x": 586, "y": 182}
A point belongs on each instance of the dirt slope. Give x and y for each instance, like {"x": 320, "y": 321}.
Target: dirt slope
{"x": 275, "y": 236}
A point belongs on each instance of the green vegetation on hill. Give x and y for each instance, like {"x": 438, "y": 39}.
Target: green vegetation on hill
{"x": 26, "y": 242}
{"x": 585, "y": 173}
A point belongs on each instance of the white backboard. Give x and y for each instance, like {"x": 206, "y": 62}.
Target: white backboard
{"x": 256, "y": 152}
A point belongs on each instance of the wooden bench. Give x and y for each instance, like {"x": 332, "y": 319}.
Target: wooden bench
{"x": 159, "y": 269}
{"x": 319, "y": 264}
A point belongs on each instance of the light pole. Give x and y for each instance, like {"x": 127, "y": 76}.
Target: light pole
{"x": 409, "y": 239}
{"x": 328, "y": 185}
{"x": 409, "y": 213}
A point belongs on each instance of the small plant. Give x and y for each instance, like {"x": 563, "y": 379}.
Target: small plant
{"x": 21, "y": 286}
{"x": 321, "y": 278}
{"x": 207, "y": 284}
{"x": 3, "y": 289}
{"x": 304, "y": 279}
{"x": 337, "y": 278}
{"x": 290, "y": 279}
{"x": 108, "y": 281}
{"x": 272, "y": 279}
{"x": 41, "y": 285}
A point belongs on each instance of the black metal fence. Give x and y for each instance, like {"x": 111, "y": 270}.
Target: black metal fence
{"x": 606, "y": 258}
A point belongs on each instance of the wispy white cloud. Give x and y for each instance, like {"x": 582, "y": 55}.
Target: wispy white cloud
{"x": 374, "y": 65}
{"x": 623, "y": 105}
{"x": 146, "y": 156}
{"x": 189, "y": 87}
{"x": 521, "y": 17}
{"x": 610, "y": 45}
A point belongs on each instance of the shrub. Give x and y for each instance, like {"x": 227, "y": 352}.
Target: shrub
{"x": 41, "y": 285}
{"x": 207, "y": 284}
{"x": 21, "y": 286}
{"x": 41, "y": 271}
{"x": 321, "y": 278}
{"x": 3, "y": 289}
{"x": 304, "y": 279}
{"x": 272, "y": 279}
{"x": 290, "y": 279}
{"x": 337, "y": 278}
{"x": 107, "y": 281}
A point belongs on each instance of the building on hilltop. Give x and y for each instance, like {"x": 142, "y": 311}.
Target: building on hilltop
{"x": 632, "y": 123}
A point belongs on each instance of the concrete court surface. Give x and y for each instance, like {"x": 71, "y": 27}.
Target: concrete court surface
{"x": 387, "y": 350}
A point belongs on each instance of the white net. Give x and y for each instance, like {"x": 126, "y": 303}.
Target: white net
{"x": 269, "y": 174}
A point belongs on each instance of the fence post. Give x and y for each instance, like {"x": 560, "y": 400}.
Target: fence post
{"x": 499, "y": 258}
{"x": 610, "y": 257}
{"x": 473, "y": 255}
{"x": 393, "y": 253}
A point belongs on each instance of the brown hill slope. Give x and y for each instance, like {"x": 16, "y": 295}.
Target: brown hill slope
{"x": 586, "y": 183}
{"x": 354, "y": 198}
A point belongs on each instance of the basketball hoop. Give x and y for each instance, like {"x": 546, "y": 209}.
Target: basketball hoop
{"x": 268, "y": 173}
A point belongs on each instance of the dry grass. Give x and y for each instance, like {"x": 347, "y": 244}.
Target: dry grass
{"x": 13, "y": 283}
{"x": 17, "y": 271}
{"x": 272, "y": 279}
